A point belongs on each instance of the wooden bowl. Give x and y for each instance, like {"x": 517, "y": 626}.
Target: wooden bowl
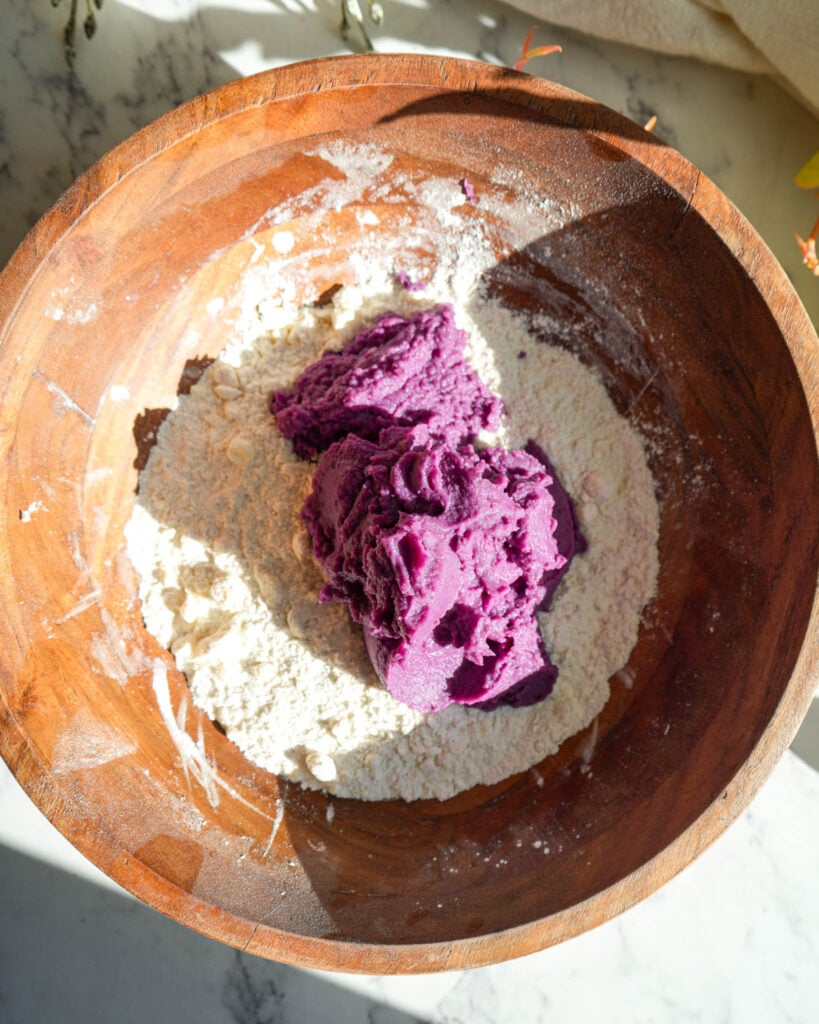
{"x": 669, "y": 294}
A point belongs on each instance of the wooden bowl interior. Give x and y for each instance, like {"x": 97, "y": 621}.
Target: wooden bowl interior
{"x": 98, "y": 724}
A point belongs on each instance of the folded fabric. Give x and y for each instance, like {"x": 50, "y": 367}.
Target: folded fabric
{"x": 775, "y": 37}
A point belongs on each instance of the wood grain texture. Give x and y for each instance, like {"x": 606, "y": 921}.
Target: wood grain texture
{"x": 668, "y": 294}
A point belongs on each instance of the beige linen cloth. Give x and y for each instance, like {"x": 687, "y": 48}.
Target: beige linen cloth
{"x": 774, "y": 37}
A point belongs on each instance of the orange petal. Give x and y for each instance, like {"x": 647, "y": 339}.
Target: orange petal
{"x": 808, "y": 249}
{"x": 527, "y": 42}
{"x": 538, "y": 51}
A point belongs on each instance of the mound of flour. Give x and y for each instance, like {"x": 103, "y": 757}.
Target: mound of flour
{"x": 229, "y": 582}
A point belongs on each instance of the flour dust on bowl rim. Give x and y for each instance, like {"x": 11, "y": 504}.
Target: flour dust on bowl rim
{"x": 648, "y": 274}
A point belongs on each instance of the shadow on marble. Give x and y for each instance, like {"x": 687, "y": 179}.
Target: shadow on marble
{"x": 79, "y": 953}
{"x": 806, "y": 743}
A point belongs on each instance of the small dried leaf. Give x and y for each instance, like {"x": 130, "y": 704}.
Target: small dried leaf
{"x": 808, "y": 176}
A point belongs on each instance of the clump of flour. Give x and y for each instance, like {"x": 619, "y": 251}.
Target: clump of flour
{"x": 229, "y": 583}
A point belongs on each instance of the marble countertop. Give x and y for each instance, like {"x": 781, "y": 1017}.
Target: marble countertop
{"x": 736, "y": 936}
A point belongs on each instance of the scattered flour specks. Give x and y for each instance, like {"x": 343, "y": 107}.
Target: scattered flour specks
{"x": 196, "y": 764}
{"x": 86, "y": 742}
{"x": 229, "y": 582}
{"x": 61, "y": 397}
{"x": 283, "y": 241}
{"x": 28, "y": 512}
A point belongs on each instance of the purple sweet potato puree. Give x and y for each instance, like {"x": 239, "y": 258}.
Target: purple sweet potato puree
{"x": 398, "y": 372}
{"x": 442, "y": 551}
{"x": 408, "y": 283}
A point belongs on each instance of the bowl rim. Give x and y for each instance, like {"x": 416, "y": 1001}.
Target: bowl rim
{"x": 438, "y": 74}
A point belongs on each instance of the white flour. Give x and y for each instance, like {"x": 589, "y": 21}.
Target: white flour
{"x": 229, "y": 583}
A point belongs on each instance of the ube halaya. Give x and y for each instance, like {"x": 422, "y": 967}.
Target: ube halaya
{"x": 443, "y": 551}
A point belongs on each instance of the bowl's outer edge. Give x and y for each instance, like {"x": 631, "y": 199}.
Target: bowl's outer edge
{"x": 438, "y": 74}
